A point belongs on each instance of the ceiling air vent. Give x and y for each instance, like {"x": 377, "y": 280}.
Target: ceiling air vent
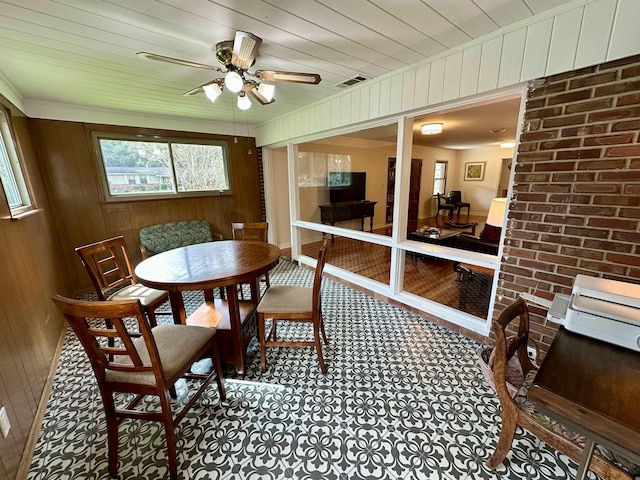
{"x": 349, "y": 82}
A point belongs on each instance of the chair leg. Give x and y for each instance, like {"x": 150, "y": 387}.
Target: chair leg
{"x": 324, "y": 334}
{"x": 169, "y": 430}
{"x": 112, "y": 433}
{"x": 262, "y": 341}
{"x": 217, "y": 364}
{"x": 507, "y": 432}
{"x": 151, "y": 314}
{"x": 316, "y": 336}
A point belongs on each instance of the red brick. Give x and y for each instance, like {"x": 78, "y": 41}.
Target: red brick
{"x": 531, "y": 125}
{"x": 552, "y": 188}
{"x": 590, "y": 106}
{"x": 582, "y": 253}
{"x": 532, "y": 177}
{"x": 544, "y": 228}
{"x": 569, "y": 97}
{"x": 633, "y": 99}
{"x": 627, "y": 260}
{"x": 586, "y": 71}
{"x": 622, "y": 176}
{"x": 601, "y": 165}
{"x": 536, "y": 265}
{"x": 592, "y": 210}
{"x": 597, "y": 188}
{"x": 527, "y": 147}
{"x": 626, "y": 237}
{"x": 620, "y": 62}
{"x": 603, "y": 267}
{"x": 617, "y": 88}
{"x": 563, "y": 121}
{"x": 542, "y": 247}
{"x": 607, "y": 245}
{"x": 547, "y": 208}
{"x": 532, "y": 104}
{"x": 625, "y": 126}
{"x": 610, "y": 139}
{"x": 533, "y": 157}
{"x": 593, "y": 80}
{"x": 633, "y": 151}
{"x": 560, "y": 240}
{"x": 557, "y": 259}
{"x": 586, "y": 232}
{"x": 574, "y": 177}
{"x": 633, "y": 71}
{"x": 585, "y": 130}
{"x": 555, "y": 166}
{"x": 565, "y": 220}
{"x": 583, "y": 199}
{"x": 554, "y": 278}
{"x": 539, "y": 135}
{"x": 545, "y": 90}
{"x": 567, "y": 143}
{"x": 577, "y": 154}
{"x": 629, "y": 212}
{"x": 612, "y": 223}
{"x": 546, "y": 112}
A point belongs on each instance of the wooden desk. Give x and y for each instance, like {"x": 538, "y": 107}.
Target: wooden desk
{"x": 592, "y": 387}
{"x": 207, "y": 266}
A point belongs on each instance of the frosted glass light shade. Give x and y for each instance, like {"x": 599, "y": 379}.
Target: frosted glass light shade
{"x": 243, "y": 101}
{"x": 496, "y": 212}
{"x": 212, "y": 91}
{"x": 431, "y": 128}
{"x": 267, "y": 91}
{"x": 233, "y": 81}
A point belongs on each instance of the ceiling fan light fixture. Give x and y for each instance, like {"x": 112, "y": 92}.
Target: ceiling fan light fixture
{"x": 212, "y": 91}
{"x": 243, "y": 101}
{"x": 233, "y": 81}
{"x": 267, "y": 91}
{"x": 431, "y": 128}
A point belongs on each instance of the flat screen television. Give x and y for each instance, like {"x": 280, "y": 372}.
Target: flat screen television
{"x": 347, "y": 186}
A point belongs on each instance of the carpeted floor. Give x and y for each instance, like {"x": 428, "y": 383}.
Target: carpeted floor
{"x": 403, "y": 399}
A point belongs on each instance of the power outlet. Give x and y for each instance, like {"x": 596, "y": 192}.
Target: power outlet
{"x": 531, "y": 352}
{"x": 5, "y": 426}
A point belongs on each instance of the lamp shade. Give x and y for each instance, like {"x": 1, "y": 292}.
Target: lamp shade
{"x": 496, "y": 212}
{"x": 212, "y": 91}
{"x": 233, "y": 81}
{"x": 243, "y": 101}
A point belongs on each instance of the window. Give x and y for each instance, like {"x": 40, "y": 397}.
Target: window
{"x": 11, "y": 173}
{"x": 132, "y": 167}
{"x": 314, "y": 168}
{"x": 440, "y": 178}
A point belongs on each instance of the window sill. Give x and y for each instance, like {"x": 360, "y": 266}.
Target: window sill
{"x": 20, "y": 216}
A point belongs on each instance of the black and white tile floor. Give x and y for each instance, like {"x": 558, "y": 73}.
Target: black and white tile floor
{"x": 403, "y": 399}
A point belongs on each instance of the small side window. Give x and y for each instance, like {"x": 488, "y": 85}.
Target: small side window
{"x": 439, "y": 177}
{"x": 11, "y": 171}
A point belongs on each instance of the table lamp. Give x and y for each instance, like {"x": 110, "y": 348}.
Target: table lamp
{"x": 495, "y": 220}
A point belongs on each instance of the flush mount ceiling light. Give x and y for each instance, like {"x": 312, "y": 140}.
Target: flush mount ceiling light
{"x": 431, "y": 128}
{"x": 507, "y": 144}
{"x": 238, "y": 56}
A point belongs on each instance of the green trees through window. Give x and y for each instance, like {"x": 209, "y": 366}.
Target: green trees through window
{"x": 159, "y": 167}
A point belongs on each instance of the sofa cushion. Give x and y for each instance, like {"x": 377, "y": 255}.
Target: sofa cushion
{"x": 167, "y": 236}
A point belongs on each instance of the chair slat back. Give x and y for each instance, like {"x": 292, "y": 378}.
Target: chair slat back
{"x": 317, "y": 277}
{"x": 508, "y": 347}
{"x": 250, "y": 231}
{"x": 121, "y": 318}
{"x": 108, "y": 264}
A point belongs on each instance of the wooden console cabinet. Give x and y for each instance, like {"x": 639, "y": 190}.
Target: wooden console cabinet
{"x": 341, "y": 212}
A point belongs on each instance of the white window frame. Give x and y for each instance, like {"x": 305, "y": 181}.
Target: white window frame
{"x": 443, "y": 179}
{"x": 109, "y": 197}
{"x": 11, "y": 155}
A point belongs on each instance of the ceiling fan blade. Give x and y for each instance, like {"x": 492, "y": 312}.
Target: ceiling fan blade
{"x": 295, "y": 77}
{"x": 200, "y": 89}
{"x": 245, "y": 49}
{"x": 177, "y": 61}
{"x": 253, "y": 89}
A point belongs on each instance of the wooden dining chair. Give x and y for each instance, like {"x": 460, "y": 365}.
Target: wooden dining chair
{"x": 257, "y": 231}
{"x": 109, "y": 266}
{"x": 443, "y": 205}
{"x": 294, "y": 304}
{"x": 147, "y": 365}
{"x": 510, "y": 354}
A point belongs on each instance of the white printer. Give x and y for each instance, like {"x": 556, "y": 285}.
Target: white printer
{"x": 599, "y": 308}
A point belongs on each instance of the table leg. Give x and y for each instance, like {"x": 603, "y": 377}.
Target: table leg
{"x": 177, "y": 307}
{"x": 236, "y": 328}
{"x": 583, "y": 468}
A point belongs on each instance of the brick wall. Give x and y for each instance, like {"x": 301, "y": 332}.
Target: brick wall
{"x": 576, "y": 199}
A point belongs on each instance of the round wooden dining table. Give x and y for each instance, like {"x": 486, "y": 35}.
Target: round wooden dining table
{"x": 208, "y": 266}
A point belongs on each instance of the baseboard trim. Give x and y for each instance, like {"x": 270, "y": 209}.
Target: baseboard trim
{"x": 32, "y": 439}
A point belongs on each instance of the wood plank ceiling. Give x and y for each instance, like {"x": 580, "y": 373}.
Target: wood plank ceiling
{"x": 81, "y": 53}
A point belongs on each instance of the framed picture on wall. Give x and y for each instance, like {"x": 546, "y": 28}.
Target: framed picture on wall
{"x": 474, "y": 171}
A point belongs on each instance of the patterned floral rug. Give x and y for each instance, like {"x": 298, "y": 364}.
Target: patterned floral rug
{"x": 403, "y": 399}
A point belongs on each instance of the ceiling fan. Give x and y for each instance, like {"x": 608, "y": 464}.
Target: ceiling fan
{"x": 237, "y": 57}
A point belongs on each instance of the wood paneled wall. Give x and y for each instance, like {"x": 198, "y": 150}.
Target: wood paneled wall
{"x": 71, "y": 172}
{"x": 31, "y": 271}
